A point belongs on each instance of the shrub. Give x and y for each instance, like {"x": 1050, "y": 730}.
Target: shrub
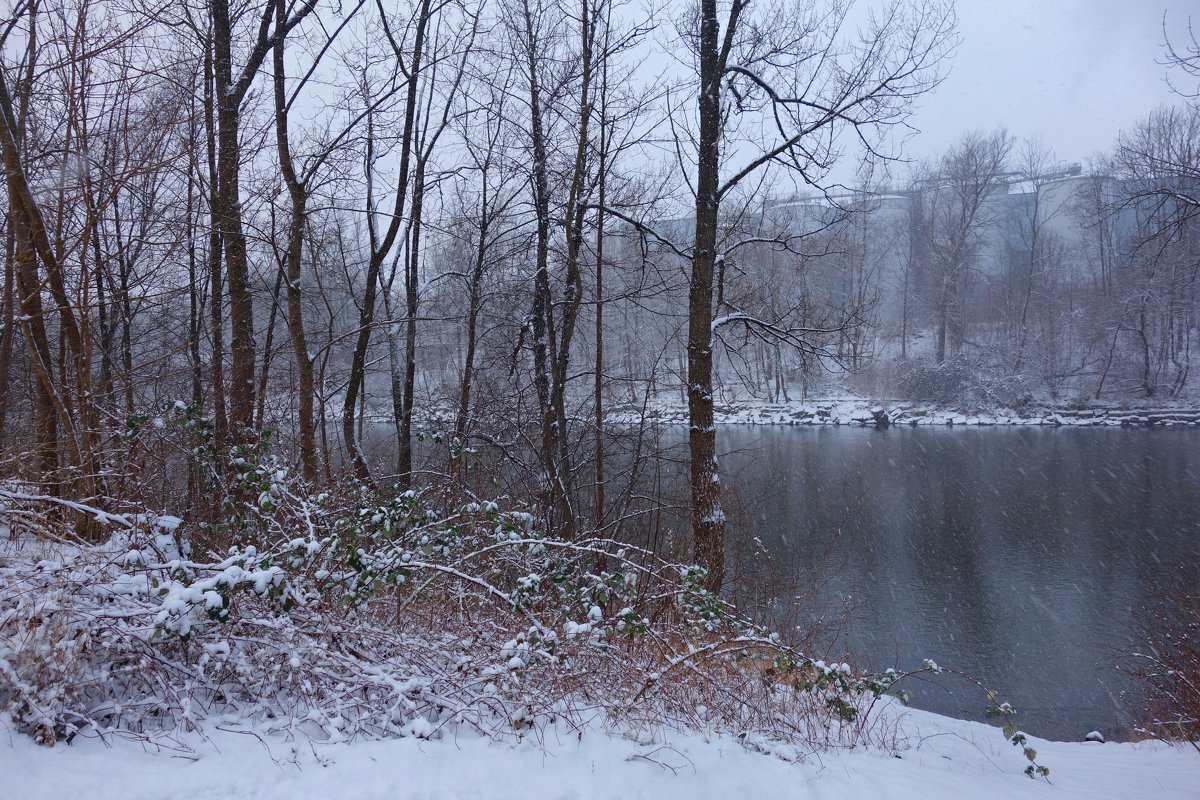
{"x": 380, "y": 616}
{"x": 959, "y": 382}
{"x": 1168, "y": 663}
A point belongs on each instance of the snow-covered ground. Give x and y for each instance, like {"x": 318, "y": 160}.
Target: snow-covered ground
{"x": 935, "y": 757}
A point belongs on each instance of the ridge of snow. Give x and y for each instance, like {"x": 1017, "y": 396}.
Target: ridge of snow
{"x": 936, "y": 757}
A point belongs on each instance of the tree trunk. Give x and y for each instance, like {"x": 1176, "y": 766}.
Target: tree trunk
{"x": 543, "y": 311}
{"x": 229, "y": 223}
{"x": 598, "y": 385}
{"x": 708, "y": 519}
{"x": 229, "y": 95}
{"x": 195, "y": 310}
{"x": 216, "y": 282}
{"x": 404, "y": 459}
{"x": 474, "y": 298}
{"x": 8, "y": 319}
{"x": 33, "y": 245}
{"x": 264, "y": 374}
{"x": 381, "y": 249}
{"x": 574, "y": 216}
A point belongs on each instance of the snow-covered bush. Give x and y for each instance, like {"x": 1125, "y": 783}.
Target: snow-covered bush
{"x": 374, "y": 615}
{"x": 961, "y": 382}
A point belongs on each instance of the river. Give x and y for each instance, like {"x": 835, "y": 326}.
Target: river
{"x": 1016, "y": 555}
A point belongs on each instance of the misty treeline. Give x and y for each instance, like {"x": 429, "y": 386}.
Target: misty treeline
{"x": 436, "y": 243}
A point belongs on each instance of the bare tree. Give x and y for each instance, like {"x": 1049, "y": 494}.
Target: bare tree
{"x": 957, "y": 202}
{"x": 1036, "y": 169}
{"x": 1161, "y": 156}
{"x": 1183, "y": 55}
{"x": 297, "y": 182}
{"x": 410, "y": 62}
{"x": 1158, "y": 164}
{"x": 230, "y": 87}
{"x": 57, "y": 226}
{"x": 487, "y": 212}
{"x": 450, "y": 51}
{"x": 775, "y": 89}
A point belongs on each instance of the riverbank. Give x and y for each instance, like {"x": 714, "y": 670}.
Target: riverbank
{"x": 865, "y": 412}
{"x": 932, "y": 757}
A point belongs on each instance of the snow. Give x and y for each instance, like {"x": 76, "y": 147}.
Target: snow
{"x": 167, "y": 523}
{"x": 914, "y": 755}
{"x": 934, "y": 757}
{"x": 863, "y": 412}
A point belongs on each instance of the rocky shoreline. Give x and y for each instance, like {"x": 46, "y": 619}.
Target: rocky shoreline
{"x": 867, "y": 414}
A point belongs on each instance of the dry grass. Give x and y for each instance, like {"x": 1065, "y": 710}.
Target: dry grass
{"x": 1168, "y": 663}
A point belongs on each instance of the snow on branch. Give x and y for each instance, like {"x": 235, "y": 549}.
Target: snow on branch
{"x": 805, "y": 339}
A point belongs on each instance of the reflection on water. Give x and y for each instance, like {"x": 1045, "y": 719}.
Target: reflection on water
{"x": 1015, "y": 555}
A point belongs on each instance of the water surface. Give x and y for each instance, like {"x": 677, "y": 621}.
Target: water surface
{"x": 1016, "y": 555}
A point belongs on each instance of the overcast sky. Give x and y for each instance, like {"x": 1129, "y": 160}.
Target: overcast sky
{"x": 1074, "y": 71}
